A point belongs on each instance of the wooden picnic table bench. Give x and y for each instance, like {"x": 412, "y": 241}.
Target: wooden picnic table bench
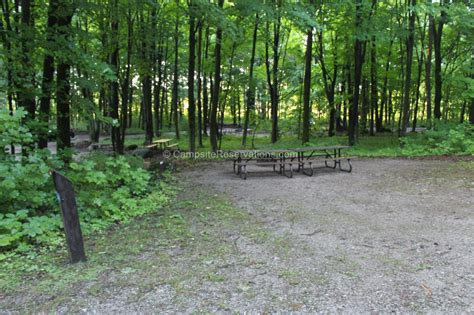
{"x": 283, "y": 158}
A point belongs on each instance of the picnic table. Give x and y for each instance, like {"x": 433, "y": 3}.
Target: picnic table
{"x": 285, "y": 159}
{"x": 163, "y": 144}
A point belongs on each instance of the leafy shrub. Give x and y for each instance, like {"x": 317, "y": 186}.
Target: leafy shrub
{"x": 442, "y": 139}
{"x": 11, "y": 130}
{"x": 19, "y": 227}
{"x": 108, "y": 190}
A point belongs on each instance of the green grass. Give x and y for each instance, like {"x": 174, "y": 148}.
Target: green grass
{"x": 385, "y": 145}
{"x": 426, "y": 143}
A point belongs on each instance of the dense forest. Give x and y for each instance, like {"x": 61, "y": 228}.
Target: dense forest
{"x": 126, "y": 115}
{"x": 355, "y": 67}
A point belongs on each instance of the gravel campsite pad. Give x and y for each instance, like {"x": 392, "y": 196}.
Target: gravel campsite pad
{"x": 395, "y": 235}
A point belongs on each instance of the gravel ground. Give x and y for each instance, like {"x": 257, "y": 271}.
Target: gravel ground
{"x": 395, "y": 235}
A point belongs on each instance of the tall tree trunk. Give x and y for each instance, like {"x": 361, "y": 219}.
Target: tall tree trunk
{"x": 409, "y": 48}
{"x": 25, "y": 81}
{"x": 48, "y": 76}
{"x": 126, "y": 80}
{"x": 5, "y": 31}
{"x": 428, "y": 67}
{"x": 437, "y": 34}
{"x": 384, "y": 103}
{"x": 147, "y": 108}
{"x": 205, "y": 93}
{"x": 272, "y": 74}
{"x": 329, "y": 83}
{"x": 276, "y": 57}
{"x": 307, "y": 87}
{"x": 358, "y": 61}
{"x": 251, "y": 85}
{"x": 374, "y": 112}
{"x": 174, "y": 101}
{"x": 63, "y": 87}
{"x": 224, "y": 101}
{"x": 114, "y": 86}
{"x": 157, "y": 92}
{"x": 191, "y": 66}
{"x": 164, "y": 94}
{"x": 146, "y": 79}
{"x": 199, "y": 83}
{"x": 365, "y": 105}
{"x": 217, "y": 79}
{"x": 420, "y": 60}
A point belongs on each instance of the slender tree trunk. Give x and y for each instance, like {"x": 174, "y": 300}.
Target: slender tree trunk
{"x": 199, "y": 83}
{"x": 191, "y": 66}
{"x": 428, "y": 67}
{"x": 217, "y": 79}
{"x": 437, "y": 34}
{"x": 157, "y": 91}
{"x": 164, "y": 94}
{"x": 114, "y": 86}
{"x": 272, "y": 72}
{"x": 63, "y": 86}
{"x": 126, "y": 80}
{"x": 174, "y": 101}
{"x": 374, "y": 111}
{"x": 328, "y": 86}
{"x": 358, "y": 61}
{"x": 365, "y": 105}
{"x": 251, "y": 85}
{"x": 205, "y": 93}
{"x": 307, "y": 87}
{"x": 25, "y": 81}
{"x": 48, "y": 76}
{"x": 224, "y": 101}
{"x": 417, "y": 97}
{"x": 276, "y": 57}
{"x": 409, "y": 48}
{"x": 5, "y": 33}
{"x": 350, "y": 97}
{"x": 130, "y": 107}
{"x": 384, "y": 103}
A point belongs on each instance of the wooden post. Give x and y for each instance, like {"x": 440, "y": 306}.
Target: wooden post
{"x": 72, "y": 227}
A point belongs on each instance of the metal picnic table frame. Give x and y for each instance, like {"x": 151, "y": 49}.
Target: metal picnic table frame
{"x": 290, "y": 157}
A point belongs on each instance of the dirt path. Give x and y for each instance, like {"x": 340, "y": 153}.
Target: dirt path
{"x": 393, "y": 236}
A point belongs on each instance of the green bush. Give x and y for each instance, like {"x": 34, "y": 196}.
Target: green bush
{"x": 108, "y": 190}
{"x": 441, "y": 140}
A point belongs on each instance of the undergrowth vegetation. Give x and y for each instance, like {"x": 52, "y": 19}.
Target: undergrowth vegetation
{"x": 109, "y": 190}
{"x": 442, "y": 139}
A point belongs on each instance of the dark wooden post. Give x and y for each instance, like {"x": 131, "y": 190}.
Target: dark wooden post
{"x": 72, "y": 227}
